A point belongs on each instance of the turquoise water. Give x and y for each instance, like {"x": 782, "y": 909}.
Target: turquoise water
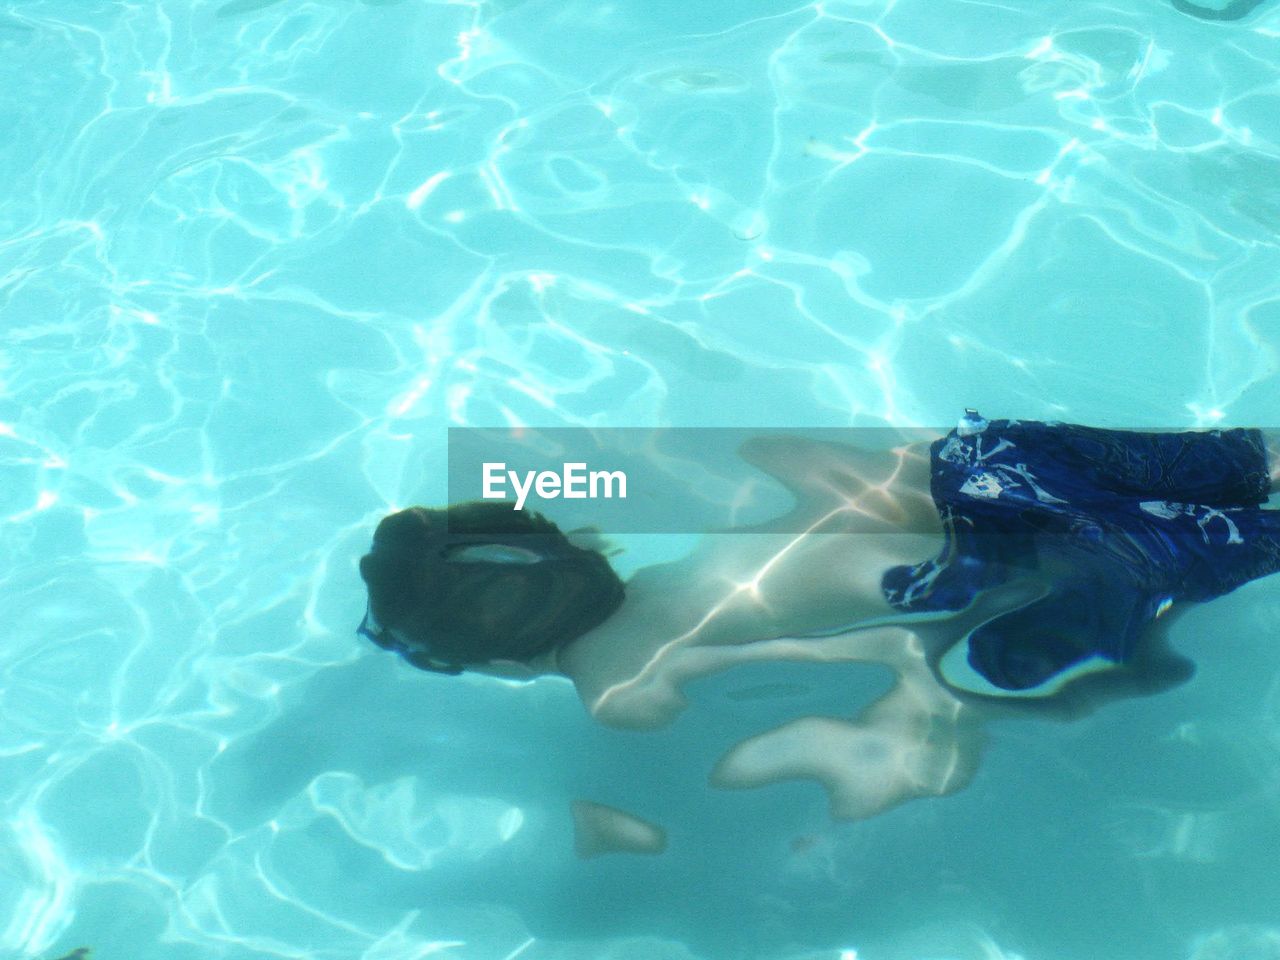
{"x": 256, "y": 256}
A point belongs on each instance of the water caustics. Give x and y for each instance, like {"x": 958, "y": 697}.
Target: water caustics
{"x": 256, "y": 256}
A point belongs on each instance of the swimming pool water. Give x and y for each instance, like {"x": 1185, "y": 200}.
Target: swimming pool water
{"x": 257, "y": 255}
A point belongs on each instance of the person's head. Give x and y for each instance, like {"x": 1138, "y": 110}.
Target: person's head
{"x": 477, "y": 582}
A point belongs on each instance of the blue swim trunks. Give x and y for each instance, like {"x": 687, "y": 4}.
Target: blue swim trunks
{"x": 1120, "y": 524}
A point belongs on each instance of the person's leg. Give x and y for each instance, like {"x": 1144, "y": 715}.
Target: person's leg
{"x": 1271, "y": 436}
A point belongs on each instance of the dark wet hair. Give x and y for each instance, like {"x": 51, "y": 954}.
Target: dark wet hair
{"x": 442, "y": 594}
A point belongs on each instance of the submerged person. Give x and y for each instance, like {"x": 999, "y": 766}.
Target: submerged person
{"x": 1055, "y": 547}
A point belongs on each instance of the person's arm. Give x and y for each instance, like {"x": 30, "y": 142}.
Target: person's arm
{"x": 858, "y": 512}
